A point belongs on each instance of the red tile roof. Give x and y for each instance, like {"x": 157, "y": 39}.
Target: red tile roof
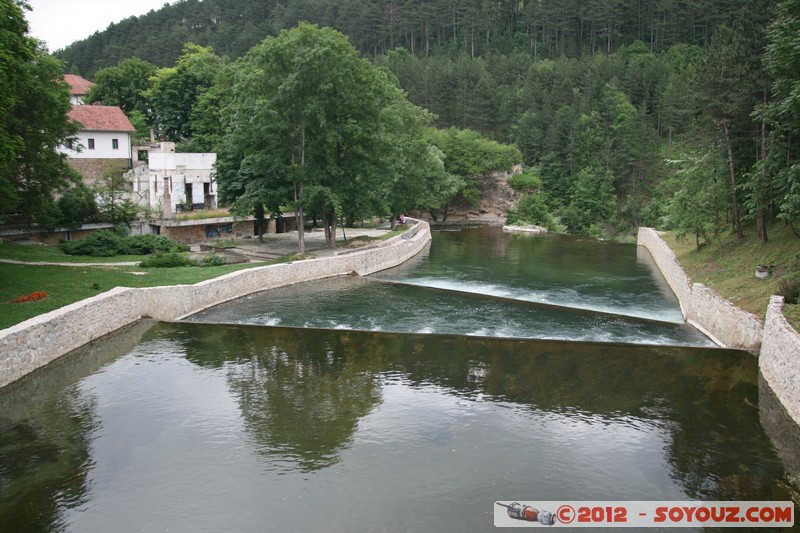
{"x": 101, "y": 118}
{"x": 77, "y": 84}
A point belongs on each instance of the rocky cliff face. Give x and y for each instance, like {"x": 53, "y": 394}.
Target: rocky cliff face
{"x": 497, "y": 197}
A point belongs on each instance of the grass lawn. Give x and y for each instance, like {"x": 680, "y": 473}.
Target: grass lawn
{"x": 728, "y": 266}
{"x": 68, "y": 284}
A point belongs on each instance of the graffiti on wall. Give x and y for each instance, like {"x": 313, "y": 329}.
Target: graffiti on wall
{"x": 215, "y": 230}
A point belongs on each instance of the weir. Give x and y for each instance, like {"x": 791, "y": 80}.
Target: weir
{"x": 583, "y": 311}
{"x": 378, "y": 403}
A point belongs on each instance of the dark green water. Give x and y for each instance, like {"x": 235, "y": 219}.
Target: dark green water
{"x": 229, "y": 427}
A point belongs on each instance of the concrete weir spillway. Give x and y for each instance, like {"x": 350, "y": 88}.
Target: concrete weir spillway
{"x": 34, "y": 343}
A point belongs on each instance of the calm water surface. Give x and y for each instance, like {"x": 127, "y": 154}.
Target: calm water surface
{"x": 197, "y": 426}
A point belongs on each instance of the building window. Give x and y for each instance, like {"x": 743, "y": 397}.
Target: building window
{"x": 115, "y": 144}
{"x": 91, "y": 144}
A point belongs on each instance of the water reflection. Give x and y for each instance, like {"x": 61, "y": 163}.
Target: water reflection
{"x": 202, "y": 427}
{"x": 299, "y": 397}
{"x": 46, "y": 429}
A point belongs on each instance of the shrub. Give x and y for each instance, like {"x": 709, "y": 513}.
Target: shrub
{"x": 78, "y": 206}
{"x": 790, "y": 290}
{"x": 101, "y": 243}
{"x": 105, "y": 243}
{"x": 528, "y": 181}
{"x": 149, "y": 244}
{"x": 212, "y": 259}
{"x": 167, "y": 260}
{"x": 531, "y": 209}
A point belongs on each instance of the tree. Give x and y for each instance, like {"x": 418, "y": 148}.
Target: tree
{"x": 123, "y": 85}
{"x": 78, "y": 206}
{"x": 783, "y": 111}
{"x": 696, "y": 195}
{"x": 725, "y": 96}
{"x": 176, "y": 91}
{"x": 34, "y": 101}
{"x": 309, "y": 127}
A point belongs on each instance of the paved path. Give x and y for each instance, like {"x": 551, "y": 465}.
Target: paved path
{"x": 274, "y": 246}
{"x": 47, "y": 263}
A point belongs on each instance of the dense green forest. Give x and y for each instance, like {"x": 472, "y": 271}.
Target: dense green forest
{"x": 672, "y": 113}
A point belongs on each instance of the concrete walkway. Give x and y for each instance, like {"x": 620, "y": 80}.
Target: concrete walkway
{"x": 274, "y": 246}
{"x": 279, "y": 244}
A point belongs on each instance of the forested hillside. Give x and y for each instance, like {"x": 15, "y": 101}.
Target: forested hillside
{"x": 543, "y": 28}
{"x": 672, "y": 113}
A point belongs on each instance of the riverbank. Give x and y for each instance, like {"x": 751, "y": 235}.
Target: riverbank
{"x": 38, "y": 341}
{"x": 32, "y": 267}
{"x": 772, "y": 339}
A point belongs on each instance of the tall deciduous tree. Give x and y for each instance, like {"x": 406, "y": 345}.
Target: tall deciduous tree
{"x": 726, "y": 97}
{"x": 175, "y": 91}
{"x": 123, "y": 85}
{"x": 783, "y": 111}
{"x": 34, "y": 101}
{"x": 310, "y": 126}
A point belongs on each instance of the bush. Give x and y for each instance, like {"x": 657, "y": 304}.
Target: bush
{"x": 150, "y": 244}
{"x": 105, "y": 243}
{"x": 101, "y": 243}
{"x": 790, "y": 290}
{"x": 531, "y": 209}
{"x": 212, "y": 259}
{"x": 527, "y": 182}
{"x": 78, "y": 206}
{"x": 167, "y": 260}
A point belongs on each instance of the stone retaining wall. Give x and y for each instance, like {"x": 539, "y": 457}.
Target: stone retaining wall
{"x": 775, "y": 342}
{"x": 779, "y": 361}
{"x": 723, "y": 322}
{"x": 34, "y": 343}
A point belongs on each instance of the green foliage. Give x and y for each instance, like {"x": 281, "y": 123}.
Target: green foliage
{"x": 123, "y": 85}
{"x": 78, "y": 206}
{"x": 572, "y": 86}
{"x": 531, "y": 210}
{"x": 592, "y": 204}
{"x": 538, "y": 29}
{"x": 167, "y": 260}
{"x": 212, "y": 259}
{"x": 114, "y": 206}
{"x": 528, "y": 181}
{"x": 100, "y": 243}
{"x": 696, "y": 199}
{"x": 175, "y": 93}
{"x": 34, "y": 101}
{"x": 468, "y": 153}
{"x": 103, "y": 243}
{"x": 789, "y": 288}
{"x": 313, "y": 125}
{"x": 150, "y": 244}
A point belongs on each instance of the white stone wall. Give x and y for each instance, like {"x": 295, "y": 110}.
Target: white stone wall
{"x": 36, "y": 342}
{"x": 775, "y": 342}
{"x": 779, "y": 361}
{"x": 723, "y": 322}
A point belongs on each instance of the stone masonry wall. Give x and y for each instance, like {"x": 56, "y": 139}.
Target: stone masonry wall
{"x": 34, "y": 343}
{"x": 775, "y": 341}
{"x": 723, "y": 322}
{"x": 779, "y": 361}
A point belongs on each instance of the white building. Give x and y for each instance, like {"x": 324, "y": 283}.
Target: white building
{"x": 78, "y": 88}
{"x": 174, "y": 182}
{"x": 105, "y": 141}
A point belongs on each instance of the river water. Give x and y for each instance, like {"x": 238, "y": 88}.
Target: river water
{"x": 409, "y": 401}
